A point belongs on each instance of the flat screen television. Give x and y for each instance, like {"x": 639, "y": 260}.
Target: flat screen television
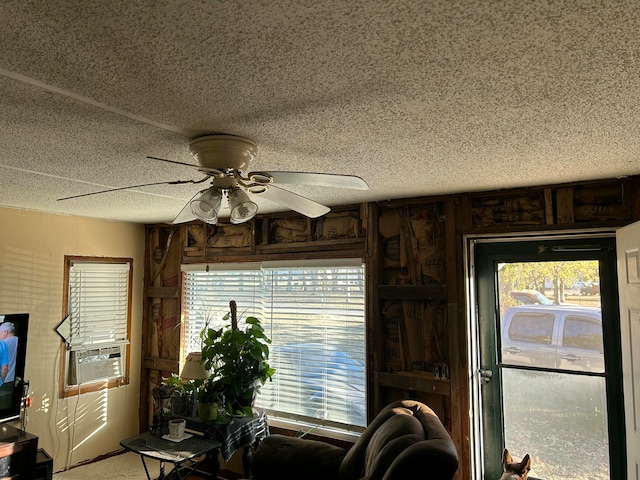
{"x": 13, "y": 335}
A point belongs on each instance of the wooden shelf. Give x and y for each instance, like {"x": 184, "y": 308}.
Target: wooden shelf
{"x": 419, "y": 382}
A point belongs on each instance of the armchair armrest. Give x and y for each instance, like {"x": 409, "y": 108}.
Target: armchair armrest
{"x": 280, "y": 457}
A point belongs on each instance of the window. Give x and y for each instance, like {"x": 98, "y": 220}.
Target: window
{"x": 537, "y": 328}
{"x": 313, "y": 312}
{"x": 582, "y": 332}
{"x": 566, "y": 390}
{"x": 97, "y": 304}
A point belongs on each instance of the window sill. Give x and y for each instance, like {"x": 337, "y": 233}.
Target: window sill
{"x": 74, "y": 390}
{"x": 313, "y": 430}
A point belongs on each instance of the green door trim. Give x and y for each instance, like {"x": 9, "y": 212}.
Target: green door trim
{"x": 487, "y": 254}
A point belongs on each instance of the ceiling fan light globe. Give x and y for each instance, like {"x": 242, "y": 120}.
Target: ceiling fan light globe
{"x": 206, "y": 206}
{"x": 242, "y": 209}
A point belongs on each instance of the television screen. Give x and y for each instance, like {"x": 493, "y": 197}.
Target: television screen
{"x": 13, "y": 352}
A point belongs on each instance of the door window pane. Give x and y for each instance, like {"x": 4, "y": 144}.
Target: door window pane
{"x": 557, "y": 417}
{"x": 560, "y": 420}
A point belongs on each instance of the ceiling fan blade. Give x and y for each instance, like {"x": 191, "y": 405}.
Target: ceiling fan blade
{"x": 213, "y": 172}
{"x": 319, "y": 179}
{"x": 186, "y": 214}
{"x": 294, "y": 201}
{"x": 173, "y": 161}
{"x": 173, "y": 182}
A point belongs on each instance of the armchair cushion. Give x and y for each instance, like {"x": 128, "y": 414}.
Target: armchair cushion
{"x": 280, "y": 457}
{"x": 405, "y": 441}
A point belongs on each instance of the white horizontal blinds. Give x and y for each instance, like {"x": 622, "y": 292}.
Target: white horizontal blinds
{"x": 98, "y": 304}
{"x": 207, "y": 300}
{"x": 316, "y": 324}
{"x": 314, "y": 316}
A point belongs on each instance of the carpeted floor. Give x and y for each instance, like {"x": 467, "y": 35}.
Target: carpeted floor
{"x": 124, "y": 466}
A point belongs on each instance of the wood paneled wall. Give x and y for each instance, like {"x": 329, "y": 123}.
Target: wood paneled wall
{"x": 416, "y": 322}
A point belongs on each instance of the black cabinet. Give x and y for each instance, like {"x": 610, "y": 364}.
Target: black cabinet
{"x": 18, "y": 452}
{"x": 44, "y": 465}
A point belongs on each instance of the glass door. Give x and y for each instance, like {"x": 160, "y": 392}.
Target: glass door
{"x": 549, "y": 357}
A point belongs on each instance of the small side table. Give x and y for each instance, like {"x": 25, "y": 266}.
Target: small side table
{"x": 184, "y": 455}
{"x": 240, "y": 432}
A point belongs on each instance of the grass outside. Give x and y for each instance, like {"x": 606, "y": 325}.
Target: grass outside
{"x": 576, "y": 299}
{"x": 560, "y": 421}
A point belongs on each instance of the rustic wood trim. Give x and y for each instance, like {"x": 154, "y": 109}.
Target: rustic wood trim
{"x": 95, "y": 386}
{"x": 564, "y": 205}
{"x": 354, "y": 253}
{"x": 146, "y": 315}
{"x": 548, "y": 206}
{"x": 414, "y": 382}
{"x": 164, "y": 257}
{"x": 166, "y": 364}
{"x": 412, "y": 292}
{"x": 151, "y": 295}
{"x": 627, "y": 199}
{"x": 457, "y": 340}
{"x": 373, "y": 320}
{"x": 506, "y": 229}
{"x": 162, "y": 292}
{"x": 315, "y": 244}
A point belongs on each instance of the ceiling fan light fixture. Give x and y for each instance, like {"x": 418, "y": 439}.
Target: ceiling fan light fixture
{"x": 207, "y": 205}
{"x": 242, "y": 209}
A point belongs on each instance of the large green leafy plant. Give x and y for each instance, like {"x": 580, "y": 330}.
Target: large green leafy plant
{"x": 237, "y": 359}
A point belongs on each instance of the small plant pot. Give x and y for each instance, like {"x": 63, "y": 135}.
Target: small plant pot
{"x": 207, "y": 411}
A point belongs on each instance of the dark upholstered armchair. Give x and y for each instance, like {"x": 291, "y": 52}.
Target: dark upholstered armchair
{"x": 405, "y": 441}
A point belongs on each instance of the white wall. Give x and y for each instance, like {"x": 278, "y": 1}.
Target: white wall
{"x": 32, "y": 250}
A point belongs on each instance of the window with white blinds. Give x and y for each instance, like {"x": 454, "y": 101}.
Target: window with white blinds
{"x": 98, "y": 306}
{"x": 314, "y": 313}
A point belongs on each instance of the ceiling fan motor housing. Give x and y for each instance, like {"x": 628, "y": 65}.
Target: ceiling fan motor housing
{"x": 223, "y": 152}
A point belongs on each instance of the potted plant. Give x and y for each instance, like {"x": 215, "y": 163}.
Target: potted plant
{"x": 237, "y": 359}
{"x": 182, "y": 394}
{"x": 210, "y": 397}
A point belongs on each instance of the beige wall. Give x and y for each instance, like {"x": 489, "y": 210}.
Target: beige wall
{"x": 32, "y": 250}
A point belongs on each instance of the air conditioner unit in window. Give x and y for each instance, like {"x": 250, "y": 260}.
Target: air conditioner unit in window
{"x": 98, "y": 364}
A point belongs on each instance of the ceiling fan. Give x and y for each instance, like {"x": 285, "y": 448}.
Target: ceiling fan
{"x": 224, "y": 159}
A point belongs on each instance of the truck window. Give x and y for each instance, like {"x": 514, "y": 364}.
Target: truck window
{"x": 532, "y": 327}
{"x": 582, "y": 332}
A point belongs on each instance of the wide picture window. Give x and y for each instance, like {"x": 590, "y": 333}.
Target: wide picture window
{"x": 314, "y": 314}
{"x": 96, "y": 330}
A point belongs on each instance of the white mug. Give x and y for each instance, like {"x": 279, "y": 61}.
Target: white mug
{"x": 176, "y": 428}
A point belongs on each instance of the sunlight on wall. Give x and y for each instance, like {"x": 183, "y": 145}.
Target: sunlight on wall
{"x": 45, "y": 403}
{"x": 32, "y": 250}
{"x": 90, "y": 418}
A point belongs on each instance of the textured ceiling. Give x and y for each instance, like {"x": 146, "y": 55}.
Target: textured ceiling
{"x": 418, "y": 98}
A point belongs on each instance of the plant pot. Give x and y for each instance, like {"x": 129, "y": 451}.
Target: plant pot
{"x": 207, "y": 411}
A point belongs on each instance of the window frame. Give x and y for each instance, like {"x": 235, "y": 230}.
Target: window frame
{"x": 66, "y": 390}
{"x": 328, "y": 262}
{"x": 484, "y": 253}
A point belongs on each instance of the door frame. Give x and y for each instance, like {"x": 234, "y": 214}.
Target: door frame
{"x": 615, "y": 402}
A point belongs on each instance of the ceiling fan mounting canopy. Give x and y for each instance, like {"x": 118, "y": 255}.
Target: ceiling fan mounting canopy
{"x": 222, "y": 152}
